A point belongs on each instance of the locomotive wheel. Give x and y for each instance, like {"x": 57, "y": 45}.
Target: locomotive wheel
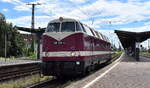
{"x": 84, "y": 72}
{"x": 88, "y": 69}
{"x": 92, "y": 67}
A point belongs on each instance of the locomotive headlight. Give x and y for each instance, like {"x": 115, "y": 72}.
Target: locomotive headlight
{"x": 73, "y": 53}
{"x": 46, "y": 54}
{"x": 77, "y": 62}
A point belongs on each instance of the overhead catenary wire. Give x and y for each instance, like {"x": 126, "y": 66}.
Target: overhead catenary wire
{"x": 79, "y": 9}
{"x": 87, "y": 14}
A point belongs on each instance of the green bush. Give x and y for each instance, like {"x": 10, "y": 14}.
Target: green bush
{"x": 148, "y": 50}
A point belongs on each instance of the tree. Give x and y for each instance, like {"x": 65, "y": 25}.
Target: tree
{"x": 148, "y": 50}
{"x": 15, "y": 43}
{"x": 3, "y": 28}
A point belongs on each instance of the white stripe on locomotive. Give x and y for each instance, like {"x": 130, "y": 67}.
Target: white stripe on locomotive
{"x": 74, "y": 53}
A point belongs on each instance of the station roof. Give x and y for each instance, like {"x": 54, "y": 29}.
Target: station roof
{"x": 129, "y": 38}
{"x": 39, "y": 30}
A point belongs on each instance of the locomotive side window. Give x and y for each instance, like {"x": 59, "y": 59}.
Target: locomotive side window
{"x": 97, "y": 34}
{"x": 88, "y": 30}
{"x": 78, "y": 28}
{"x": 53, "y": 27}
{"x": 68, "y": 27}
{"x": 107, "y": 39}
{"x": 92, "y": 31}
{"x": 101, "y": 36}
{"x": 83, "y": 28}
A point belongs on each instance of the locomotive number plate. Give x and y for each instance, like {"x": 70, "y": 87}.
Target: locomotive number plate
{"x": 59, "y": 43}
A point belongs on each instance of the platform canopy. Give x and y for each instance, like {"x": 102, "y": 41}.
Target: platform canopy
{"x": 130, "y": 38}
{"x": 39, "y": 30}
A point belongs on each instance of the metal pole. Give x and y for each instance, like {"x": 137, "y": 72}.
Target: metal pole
{"x": 38, "y": 44}
{"x": 5, "y": 45}
{"x": 148, "y": 43}
{"x": 32, "y": 27}
{"x": 32, "y": 22}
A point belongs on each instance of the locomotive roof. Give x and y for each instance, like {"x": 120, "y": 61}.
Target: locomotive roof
{"x": 64, "y": 20}
{"x": 61, "y": 19}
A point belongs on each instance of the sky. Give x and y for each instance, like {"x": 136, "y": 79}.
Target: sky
{"x": 102, "y": 15}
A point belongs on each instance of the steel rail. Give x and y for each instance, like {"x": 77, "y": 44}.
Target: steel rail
{"x": 16, "y": 71}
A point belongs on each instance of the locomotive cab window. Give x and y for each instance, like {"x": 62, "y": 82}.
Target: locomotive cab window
{"x": 68, "y": 27}
{"x": 53, "y": 27}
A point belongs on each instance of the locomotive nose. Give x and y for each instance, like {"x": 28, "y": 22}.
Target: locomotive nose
{"x": 58, "y": 35}
{"x": 54, "y": 41}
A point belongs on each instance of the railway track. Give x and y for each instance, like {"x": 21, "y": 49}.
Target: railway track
{"x": 19, "y": 70}
{"x": 61, "y": 83}
{"x": 115, "y": 56}
{"x": 50, "y": 83}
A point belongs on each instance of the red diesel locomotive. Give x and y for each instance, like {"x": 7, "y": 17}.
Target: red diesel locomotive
{"x": 71, "y": 48}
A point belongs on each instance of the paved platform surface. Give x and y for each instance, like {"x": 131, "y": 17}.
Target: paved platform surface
{"x": 13, "y": 62}
{"x": 127, "y": 74}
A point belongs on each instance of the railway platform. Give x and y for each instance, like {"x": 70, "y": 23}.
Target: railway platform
{"x": 15, "y": 62}
{"x": 125, "y": 73}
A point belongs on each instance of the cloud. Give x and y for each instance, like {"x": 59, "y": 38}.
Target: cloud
{"x": 18, "y": 5}
{"x": 22, "y": 7}
{"x": 147, "y": 23}
{"x": 5, "y": 9}
{"x": 78, "y": 1}
{"x": 25, "y": 21}
{"x": 125, "y": 12}
{"x": 12, "y": 1}
{"x": 95, "y": 14}
{"x": 137, "y": 29}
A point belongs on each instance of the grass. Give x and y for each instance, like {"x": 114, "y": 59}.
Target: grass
{"x": 19, "y": 58}
{"x": 23, "y": 81}
{"x": 10, "y": 58}
{"x": 117, "y": 53}
{"x": 31, "y": 56}
{"x": 145, "y": 54}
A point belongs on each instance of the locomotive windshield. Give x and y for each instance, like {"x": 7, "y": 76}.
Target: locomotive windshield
{"x": 65, "y": 27}
{"x": 53, "y": 27}
{"x": 68, "y": 27}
